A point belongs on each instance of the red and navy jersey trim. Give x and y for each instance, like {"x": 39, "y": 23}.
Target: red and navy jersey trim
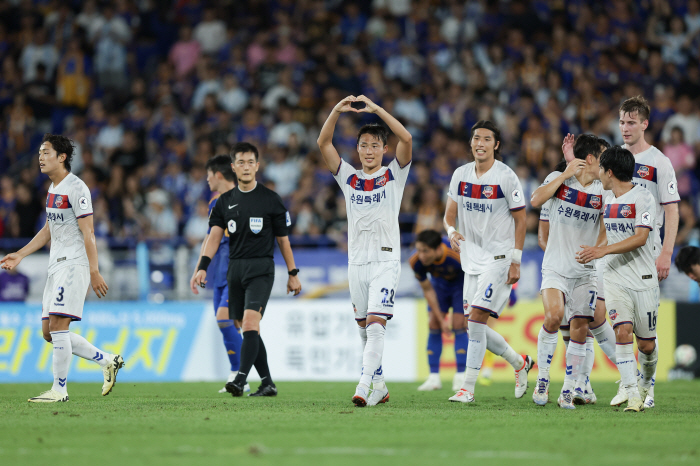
{"x": 360, "y": 184}
{"x": 628, "y": 211}
{"x": 645, "y": 172}
{"x": 480, "y": 191}
{"x": 579, "y": 198}
{"x": 57, "y": 201}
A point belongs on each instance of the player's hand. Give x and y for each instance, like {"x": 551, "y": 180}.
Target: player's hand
{"x": 200, "y": 278}
{"x": 589, "y": 253}
{"x": 98, "y": 284}
{"x": 193, "y": 285}
{"x": 455, "y": 238}
{"x": 293, "y": 285}
{"x": 663, "y": 266}
{"x": 370, "y": 107}
{"x": 345, "y": 105}
{"x": 567, "y": 148}
{"x": 513, "y": 274}
{"x": 445, "y": 326}
{"x": 10, "y": 261}
{"x": 573, "y": 167}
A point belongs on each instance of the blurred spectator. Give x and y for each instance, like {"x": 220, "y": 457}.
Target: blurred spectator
{"x": 185, "y": 53}
{"x": 198, "y": 224}
{"x": 686, "y": 119}
{"x": 14, "y": 286}
{"x": 430, "y": 211}
{"x": 210, "y": 32}
{"x": 683, "y": 160}
{"x": 687, "y": 224}
{"x": 38, "y": 51}
{"x": 162, "y": 221}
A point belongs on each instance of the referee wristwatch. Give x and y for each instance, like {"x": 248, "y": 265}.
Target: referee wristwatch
{"x": 293, "y": 272}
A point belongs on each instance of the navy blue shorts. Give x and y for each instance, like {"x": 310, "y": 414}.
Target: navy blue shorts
{"x": 220, "y": 297}
{"x": 449, "y": 298}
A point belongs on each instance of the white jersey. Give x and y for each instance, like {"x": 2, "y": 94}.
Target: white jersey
{"x": 653, "y": 170}
{"x": 634, "y": 270}
{"x": 65, "y": 204}
{"x": 373, "y": 203}
{"x": 574, "y": 219}
{"x": 484, "y": 215}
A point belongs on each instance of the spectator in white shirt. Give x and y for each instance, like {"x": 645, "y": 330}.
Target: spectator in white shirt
{"x": 210, "y": 32}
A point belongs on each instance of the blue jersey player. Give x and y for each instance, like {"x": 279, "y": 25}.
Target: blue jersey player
{"x": 442, "y": 291}
{"x": 221, "y": 179}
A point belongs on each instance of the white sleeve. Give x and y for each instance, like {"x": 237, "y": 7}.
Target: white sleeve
{"x": 80, "y": 200}
{"x": 645, "y": 208}
{"x": 453, "y": 192}
{"x": 400, "y": 173}
{"x": 666, "y": 182}
{"x": 514, "y": 192}
{"x": 550, "y": 177}
{"x": 345, "y": 171}
{"x": 544, "y": 212}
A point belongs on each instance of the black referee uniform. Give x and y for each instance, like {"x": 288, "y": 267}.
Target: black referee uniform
{"x": 253, "y": 220}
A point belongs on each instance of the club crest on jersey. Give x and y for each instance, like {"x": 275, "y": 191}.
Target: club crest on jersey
{"x": 256, "y": 224}
{"x": 613, "y": 314}
{"x": 465, "y": 305}
{"x": 488, "y": 191}
{"x": 625, "y": 211}
{"x": 595, "y": 202}
{"x": 59, "y": 201}
{"x": 643, "y": 171}
{"x": 379, "y": 182}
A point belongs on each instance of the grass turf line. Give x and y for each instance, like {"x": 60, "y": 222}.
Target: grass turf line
{"x": 315, "y": 423}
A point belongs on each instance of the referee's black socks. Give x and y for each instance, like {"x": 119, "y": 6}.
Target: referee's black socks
{"x": 261, "y": 365}
{"x": 249, "y": 354}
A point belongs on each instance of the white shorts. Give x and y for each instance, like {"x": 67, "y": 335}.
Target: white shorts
{"x": 373, "y": 287}
{"x": 488, "y": 291}
{"x": 579, "y": 294}
{"x": 65, "y": 291}
{"x": 638, "y": 308}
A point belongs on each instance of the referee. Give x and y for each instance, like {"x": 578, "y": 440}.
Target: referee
{"x": 254, "y": 216}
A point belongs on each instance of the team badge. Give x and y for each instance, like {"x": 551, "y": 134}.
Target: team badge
{"x": 643, "y": 171}
{"x": 613, "y": 314}
{"x": 59, "y": 201}
{"x": 488, "y": 191}
{"x": 671, "y": 187}
{"x": 517, "y": 195}
{"x": 646, "y": 218}
{"x": 83, "y": 203}
{"x": 625, "y": 211}
{"x": 465, "y": 305}
{"x": 256, "y": 224}
{"x": 379, "y": 182}
{"x": 595, "y": 202}
{"x": 231, "y": 226}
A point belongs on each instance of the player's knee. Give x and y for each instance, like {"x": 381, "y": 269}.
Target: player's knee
{"x": 552, "y": 323}
{"x": 361, "y": 323}
{"x": 646, "y": 346}
{"x": 623, "y": 333}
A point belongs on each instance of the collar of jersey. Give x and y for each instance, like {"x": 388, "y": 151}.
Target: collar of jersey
{"x": 246, "y": 192}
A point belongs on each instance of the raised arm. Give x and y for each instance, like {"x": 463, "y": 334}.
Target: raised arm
{"x": 12, "y": 260}
{"x": 325, "y": 139}
{"x": 405, "y": 147}
{"x": 98, "y": 283}
{"x": 547, "y": 191}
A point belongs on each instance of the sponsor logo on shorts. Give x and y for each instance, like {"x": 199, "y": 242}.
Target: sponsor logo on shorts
{"x": 354, "y": 309}
{"x": 60, "y": 259}
{"x": 646, "y": 277}
{"x": 595, "y": 202}
{"x": 613, "y": 314}
{"x": 465, "y": 304}
{"x": 387, "y": 249}
{"x": 587, "y": 266}
{"x": 499, "y": 257}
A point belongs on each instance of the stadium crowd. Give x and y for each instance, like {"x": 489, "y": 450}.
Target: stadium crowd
{"x": 150, "y": 90}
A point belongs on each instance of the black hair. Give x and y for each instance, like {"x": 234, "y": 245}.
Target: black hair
{"x": 620, "y": 161}
{"x": 561, "y": 166}
{"x": 221, "y": 164}
{"x": 491, "y": 126}
{"x": 588, "y": 144}
{"x": 62, "y": 145}
{"x": 687, "y": 258}
{"x": 430, "y": 238}
{"x": 243, "y": 147}
{"x": 374, "y": 129}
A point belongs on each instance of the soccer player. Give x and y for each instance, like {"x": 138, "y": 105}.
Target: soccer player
{"x": 73, "y": 267}
{"x": 652, "y": 170}
{"x": 372, "y": 198}
{"x": 442, "y": 292}
{"x": 221, "y": 179}
{"x": 575, "y": 201}
{"x": 688, "y": 262}
{"x": 486, "y": 201}
{"x": 254, "y": 216}
{"x": 630, "y": 276}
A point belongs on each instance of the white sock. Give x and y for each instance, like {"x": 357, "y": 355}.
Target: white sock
{"x": 475, "y": 353}
{"x": 546, "y": 346}
{"x": 500, "y": 347}
{"x": 378, "y": 377}
{"x": 588, "y": 365}
{"x": 627, "y": 365}
{"x": 84, "y": 349}
{"x": 606, "y": 339}
{"x": 575, "y": 360}
{"x": 61, "y": 360}
{"x": 363, "y": 337}
{"x": 648, "y": 366}
{"x": 372, "y": 356}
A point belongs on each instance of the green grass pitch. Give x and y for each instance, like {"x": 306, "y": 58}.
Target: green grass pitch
{"x": 315, "y": 423}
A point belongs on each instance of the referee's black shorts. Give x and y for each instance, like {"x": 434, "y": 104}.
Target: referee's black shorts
{"x": 249, "y": 285}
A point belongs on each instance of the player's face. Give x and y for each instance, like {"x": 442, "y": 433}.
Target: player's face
{"x": 371, "y": 151}
{"x": 426, "y": 254}
{"x": 593, "y": 166}
{"x": 212, "y": 181}
{"x": 48, "y": 159}
{"x": 483, "y": 144}
{"x": 694, "y": 273}
{"x": 245, "y": 166}
{"x": 632, "y": 128}
{"x": 604, "y": 178}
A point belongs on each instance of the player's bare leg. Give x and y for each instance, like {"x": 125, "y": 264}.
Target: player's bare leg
{"x": 553, "y": 301}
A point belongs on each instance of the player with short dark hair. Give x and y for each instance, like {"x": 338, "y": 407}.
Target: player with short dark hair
{"x": 221, "y": 179}
{"x": 443, "y": 291}
{"x": 688, "y": 262}
{"x": 254, "y": 216}
{"x": 631, "y": 279}
{"x": 73, "y": 268}
{"x": 485, "y": 201}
